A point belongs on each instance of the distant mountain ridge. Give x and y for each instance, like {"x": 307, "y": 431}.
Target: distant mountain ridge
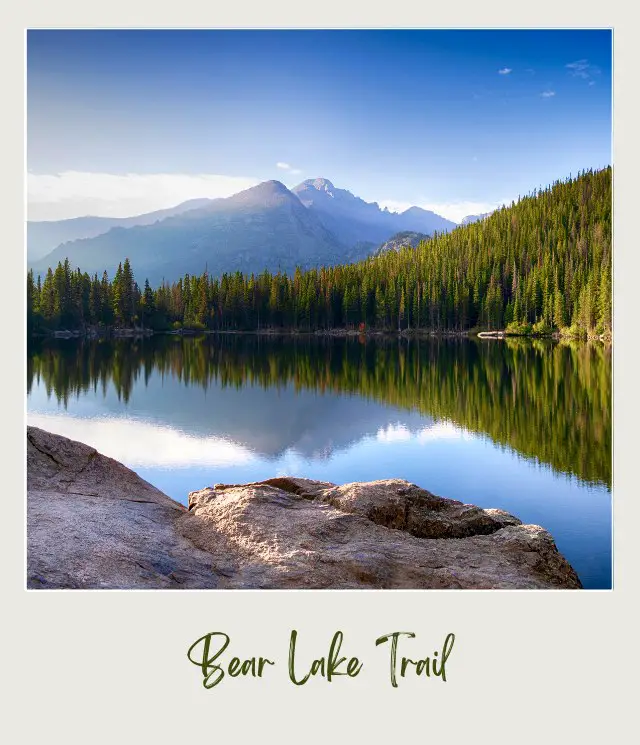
{"x": 265, "y": 227}
{"x": 45, "y": 235}
{"x": 475, "y": 218}
{"x": 353, "y": 220}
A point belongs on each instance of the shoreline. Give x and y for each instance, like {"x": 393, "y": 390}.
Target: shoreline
{"x": 118, "y": 333}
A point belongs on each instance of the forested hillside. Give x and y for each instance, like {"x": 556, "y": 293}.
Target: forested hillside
{"x": 541, "y": 264}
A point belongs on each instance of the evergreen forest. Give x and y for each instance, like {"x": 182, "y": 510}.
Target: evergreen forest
{"x": 540, "y": 265}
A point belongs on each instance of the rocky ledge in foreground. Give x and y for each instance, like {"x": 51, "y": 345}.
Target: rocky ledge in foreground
{"x": 92, "y": 523}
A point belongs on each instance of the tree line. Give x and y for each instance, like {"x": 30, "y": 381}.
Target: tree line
{"x": 541, "y": 264}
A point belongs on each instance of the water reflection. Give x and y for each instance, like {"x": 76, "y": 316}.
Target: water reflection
{"x": 145, "y": 444}
{"x": 545, "y": 400}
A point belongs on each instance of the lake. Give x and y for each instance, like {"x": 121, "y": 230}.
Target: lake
{"x": 521, "y": 425}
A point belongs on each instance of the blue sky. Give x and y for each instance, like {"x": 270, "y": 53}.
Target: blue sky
{"x": 121, "y": 122}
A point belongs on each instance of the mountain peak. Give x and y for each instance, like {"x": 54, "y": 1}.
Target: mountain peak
{"x": 266, "y": 193}
{"x": 319, "y": 184}
{"x": 416, "y": 211}
{"x": 323, "y": 183}
{"x": 267, "y": 187}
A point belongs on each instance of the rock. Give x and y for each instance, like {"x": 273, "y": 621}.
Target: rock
{"x": 403, "y": 506}
{"x": 91, "y": 522}
{"x": 94, "y": 523}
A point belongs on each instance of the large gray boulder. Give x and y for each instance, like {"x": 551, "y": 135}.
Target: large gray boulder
{"x": 93, "y": 523}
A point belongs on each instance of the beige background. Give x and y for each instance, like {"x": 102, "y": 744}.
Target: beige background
{"x": 94, "y": 667}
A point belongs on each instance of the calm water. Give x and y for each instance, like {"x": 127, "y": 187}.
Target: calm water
{"x": 522, "y": 426}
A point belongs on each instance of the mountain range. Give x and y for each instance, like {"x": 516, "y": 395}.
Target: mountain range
{"x": 474, "y": 218}
{"x": 265, "y": 227}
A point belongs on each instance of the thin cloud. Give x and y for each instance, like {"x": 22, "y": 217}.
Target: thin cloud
{"x": 505, "y": 71}
{"x": 143, "y": 444}
{"x": 454, "y": 211}
{"x": 582, "y": 69}
{"x": 394, "y": 433}
{"x": 288, "y": 168}
{"x": 548, "y": 94}
{"x": 58, "y": 196}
